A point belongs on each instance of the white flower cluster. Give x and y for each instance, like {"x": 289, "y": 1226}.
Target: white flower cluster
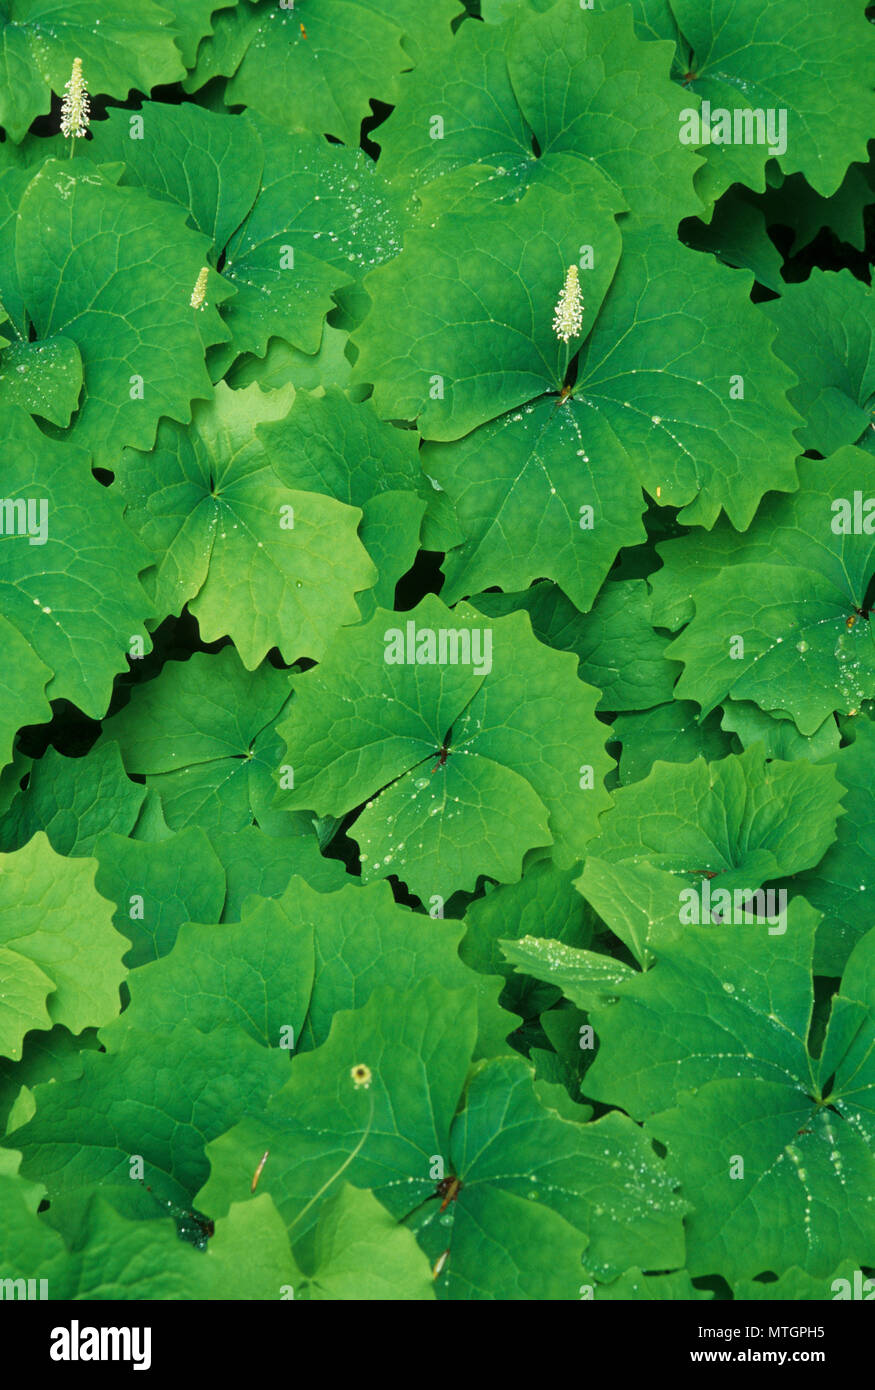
{"x": 198, "y": 294}
{"x": 568, "y": 319}
{"x": 76, "y": 107}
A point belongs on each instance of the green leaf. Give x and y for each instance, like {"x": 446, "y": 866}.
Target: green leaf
{"x": 582, "y": 976}
{"x": 45, "y": 1056}
{"x": 800, "y": 58}
{"x": 743, "y": 818}
{"x": 460, "y": 324}
{"x": 160, "y": 1096}
{"x": 795, "y": 1284}
{"x": 207, "y": 163}
{"x": 789, "y": 591}
{"x": 661, "y": 368}
{"x": 533, "y": 1181}
{"x": 74, "y": 800}
{"x": 44, "y": 378}
{"x": 257, "y": 559}
{"x": 156, "y": 887}
{"x": 825, "y": 335}
{"x": 500, "y": 791}
{"x": 534, "y": 497}
{"x": 131, "y": 46}
{"x": 23, "y": 679}
{"x": 777, "y": 732}
{"x": 321, "y": 77}
{"x": 62, "y": 955}
{"x": 668, "y": 733}
{"x": 620, "y": 654}
{"x": 117, "y": 1259}
{"x": 203, "y": 734}
{"x": 525, "y": 508}
{"x": 579, "y": 82}
{"x": 48, "y": 586}
{"x": 361, "y": 1253}
{"x": 737, "y": 235}
{"x": 255, "y": 974}
{"x": 326, "y": 444}
{"x": 364, "y": 940}
{"x": 263, "y": 864}
{"x": 141, "y": 343}
{"x": 542, "y": 896}
{"x": 839, "y": 886}
{"x": 720, "y": 1031}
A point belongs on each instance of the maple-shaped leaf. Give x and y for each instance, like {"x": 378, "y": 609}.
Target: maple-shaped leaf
{"x": 738, "y": 236}
{"x": 255, "y": 975}
{"x": 61, "y": 954}
{"x": 254, "y": 556}
{"x": 772, "y": 1141}
{"x": 371, "y": 721}
{"x": 68, "y": 576}
{"x": 571, "y": 81}
{"x": 204, "y": 735}
{"x": 779, "y": 612}
{"x": 130, "y": 46}
{"x": 112, "y": 270}
{"x": 743, "y": 819}
{"x": 542, "y": 1187}
{"x": 323, "y": 218}
{"x": 206, "y": 162}
{"x": 825, "y": 335}
{"x": 777, "y": 733}
{"x": 793, "y": 203}
{"x": 318, "y": 70}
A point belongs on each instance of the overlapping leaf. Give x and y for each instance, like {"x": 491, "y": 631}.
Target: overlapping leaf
{"x": 542, "y": 1187}
{"x": 501, "y": 789}
{"x": 779, "y": 613}
{"x": 256, "y": 557}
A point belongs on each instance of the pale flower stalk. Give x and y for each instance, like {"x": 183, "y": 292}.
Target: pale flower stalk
{"x": 568, "y": 318}
{"x": 199, "y": 293}
{"x": 76, "y": 106}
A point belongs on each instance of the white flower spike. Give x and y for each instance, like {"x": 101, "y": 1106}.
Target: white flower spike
{"x": 76, "y": 106}
{"x": 198, "y": 294}
{"x": 568, "y": 318}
